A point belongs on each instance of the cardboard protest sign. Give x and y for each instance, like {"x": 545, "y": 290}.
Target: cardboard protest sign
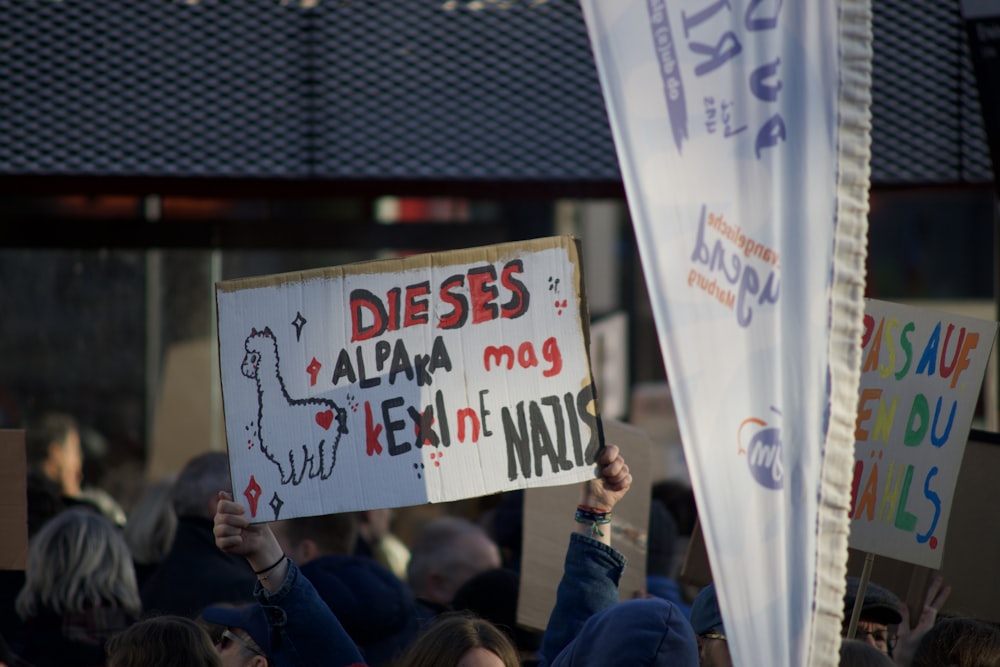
{"x": 969, "y": 565}
{"x": 401, "y": 382}
{"x": 922, "y": 371}
{"x": 13, "y": 501}
{"x": 548, "y": 522}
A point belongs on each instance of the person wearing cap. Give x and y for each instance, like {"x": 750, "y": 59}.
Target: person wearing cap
{"x": 301, "y": 628}
{"x": 880, "y": 613}
{"x": 884, "y": 621}
{"x": 243, "y": 638}
{"x": 706, "y": 620}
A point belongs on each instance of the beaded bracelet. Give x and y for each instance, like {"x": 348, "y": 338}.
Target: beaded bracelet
{"x": 594, "y": 516}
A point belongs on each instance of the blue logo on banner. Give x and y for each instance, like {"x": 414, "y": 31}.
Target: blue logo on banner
{"x": 666, "y": 56}
{"x": 763, "y": 451}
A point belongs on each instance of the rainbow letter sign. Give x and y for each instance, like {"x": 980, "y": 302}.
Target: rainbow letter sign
{"x": 921, "y": 375}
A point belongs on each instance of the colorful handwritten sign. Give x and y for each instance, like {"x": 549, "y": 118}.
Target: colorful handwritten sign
{"x": 922, "y": 371}
{"x": 400, "y": 382}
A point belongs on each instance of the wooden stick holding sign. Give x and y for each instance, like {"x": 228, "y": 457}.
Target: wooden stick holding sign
{"x": 859, "y": 599}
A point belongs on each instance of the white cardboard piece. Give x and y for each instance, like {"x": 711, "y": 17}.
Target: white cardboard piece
{"x": 395, "y": 383}
{"x": 922, "y": 371}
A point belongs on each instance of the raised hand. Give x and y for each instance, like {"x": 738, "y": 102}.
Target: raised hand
{"x": 908, "y": 638}
{"x": 235, "y": 534}
{"x": 612, "y": 482}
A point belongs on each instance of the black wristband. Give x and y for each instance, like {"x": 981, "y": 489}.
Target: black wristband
{"x": 271, "y": 567}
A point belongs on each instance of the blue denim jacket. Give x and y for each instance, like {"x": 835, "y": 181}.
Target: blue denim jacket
{"x": 306, "y": 631}
{"x": 588, "y": 585}
{"x": 589, "y": 626}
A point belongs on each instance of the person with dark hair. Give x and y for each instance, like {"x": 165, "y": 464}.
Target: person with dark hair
{"x": 493, "y": 595}
{"x": 959, "y": 642}
{"x": 55, "y": 452}
{"x": 377, "y": 609}
{"x": 194, "y": 573}
{"x": 163, "y": 641}
{"x": 461, "y": 639}
{"x": 857, "y": 653}
{"x": 80, "y": 590}
{"x": 588, "y": 625}
{"x": 660, "y": 554}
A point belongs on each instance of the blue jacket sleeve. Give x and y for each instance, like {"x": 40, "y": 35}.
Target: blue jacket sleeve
{"x": 589, "y": 584}
{"x": 305, "y": 631}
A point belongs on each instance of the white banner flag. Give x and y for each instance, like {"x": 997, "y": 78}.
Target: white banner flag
{"x": 743, "y": 137}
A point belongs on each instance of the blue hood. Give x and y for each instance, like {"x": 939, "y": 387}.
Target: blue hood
{"x": 649, "y": 632}
{"x": 376, "y": 608}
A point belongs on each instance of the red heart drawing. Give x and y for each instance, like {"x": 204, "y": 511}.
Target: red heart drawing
{"x": 325, "y": 418}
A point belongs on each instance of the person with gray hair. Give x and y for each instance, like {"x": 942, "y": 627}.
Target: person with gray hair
{"x": 447, "y": 552}
{"x": 195, "y": 574}
{"x": 79, "y": 591}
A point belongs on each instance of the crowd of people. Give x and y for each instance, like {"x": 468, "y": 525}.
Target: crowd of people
{"x": 185, "y": 578}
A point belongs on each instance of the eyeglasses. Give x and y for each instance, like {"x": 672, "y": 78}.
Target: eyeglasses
{"x": 879, "y": 637}
{"x": 227, "y": 638}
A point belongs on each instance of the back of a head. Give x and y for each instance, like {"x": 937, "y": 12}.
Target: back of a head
{"x": 163, "y": 641}
{"x": 662, "y": 540}
{"x": 649, "y": 632}
{"x": 78, "y": 559}
{"x": 678, "y": 498}
{"x": 856, "y": 653}
{"x": 150, "y": 526}
{"x": 959, "y": 642}
{"x": 452, "y": 635}
{"x": 199, "y": 483}
{"x": 493, "y": 595}
{"x": 332, "y": 533}
{"x": 435, "y": 549}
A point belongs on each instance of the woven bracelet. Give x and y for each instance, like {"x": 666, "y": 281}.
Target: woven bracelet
{"x": 594, "y": 516}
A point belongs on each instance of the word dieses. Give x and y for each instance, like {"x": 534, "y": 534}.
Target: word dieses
{"x": 474, "y": 293}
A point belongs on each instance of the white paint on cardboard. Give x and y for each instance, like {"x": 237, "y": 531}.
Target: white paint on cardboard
{"x": 400, "y": 382}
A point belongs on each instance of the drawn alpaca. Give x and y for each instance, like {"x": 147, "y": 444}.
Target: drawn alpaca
{"x": 281, "y": 417}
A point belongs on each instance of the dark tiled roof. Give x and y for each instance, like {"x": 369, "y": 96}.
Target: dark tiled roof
{"x": 355, "y": 91}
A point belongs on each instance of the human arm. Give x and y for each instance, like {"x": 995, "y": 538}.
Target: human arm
{"x": 254, "y": 541}
{"x": 305, "y": 631}
{"x": 592, "y": 567}
{"x": 907, "y": 637}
